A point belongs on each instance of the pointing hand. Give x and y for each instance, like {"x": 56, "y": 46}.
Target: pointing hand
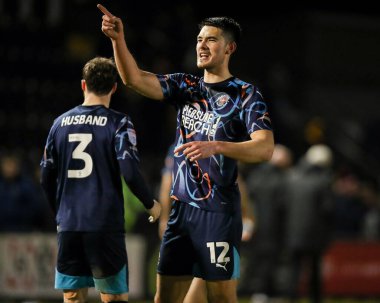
{"x": 112, "y": 26}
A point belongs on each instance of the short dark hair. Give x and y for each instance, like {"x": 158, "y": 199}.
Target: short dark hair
{"x": 100, "y": 74}
{"x": 229, "y": 26}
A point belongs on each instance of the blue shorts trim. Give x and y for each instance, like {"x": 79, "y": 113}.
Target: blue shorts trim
{"x": 63, "y": 281}
{"x": 236, "y": 272}
{"x": 117, "y": 284}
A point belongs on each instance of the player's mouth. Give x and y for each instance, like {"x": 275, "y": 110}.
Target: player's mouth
{"x": 203, "y": 56}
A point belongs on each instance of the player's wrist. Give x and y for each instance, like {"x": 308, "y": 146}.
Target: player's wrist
{"x": 218, "y": 147}
{"x": 118, "y": 39}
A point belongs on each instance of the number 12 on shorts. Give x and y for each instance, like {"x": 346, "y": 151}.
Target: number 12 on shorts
{"x": 222, "y": 256}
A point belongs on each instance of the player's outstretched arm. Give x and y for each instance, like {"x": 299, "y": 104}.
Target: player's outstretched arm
{"x": 145, "y": 83}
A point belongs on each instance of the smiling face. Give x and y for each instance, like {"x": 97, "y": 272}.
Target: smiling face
{"x": 213, "y": 50}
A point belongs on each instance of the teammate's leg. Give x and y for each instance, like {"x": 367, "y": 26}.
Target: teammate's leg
{"x": 222, "y": 291}
{"x": 75, "y": 295}
{"x": 111, "y": 298}
{"x": 113, "y": 288}
{"x": 197, "y": 292}
{"x": 72, "y": 275}
{"x": 107, "y": 255}
{"x": 171, "y": 289}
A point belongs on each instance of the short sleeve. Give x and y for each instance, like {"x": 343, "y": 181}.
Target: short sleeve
{"x": 255, "y": 112}
{"x": 173, "y": 87}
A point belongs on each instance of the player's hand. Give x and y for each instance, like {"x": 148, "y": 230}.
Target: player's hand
{"x": 248, "y": 229}
{"x": 112, "y": 26}
{"x": 154, "y": 212}
{"x": 196, "y": 150}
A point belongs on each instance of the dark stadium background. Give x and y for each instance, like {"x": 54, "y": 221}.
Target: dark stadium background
{"x": 317, "y": 67}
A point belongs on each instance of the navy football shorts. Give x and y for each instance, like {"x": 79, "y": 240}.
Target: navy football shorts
{"x": 88, "y": 259}
{"x": 201, "y": 243}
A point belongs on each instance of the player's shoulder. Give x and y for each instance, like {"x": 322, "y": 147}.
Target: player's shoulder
{"x": 120, "y": 119}
{"x": 244, "y": 84}
{"x": 249, "y": 87}
{"x": 185, "y": 78}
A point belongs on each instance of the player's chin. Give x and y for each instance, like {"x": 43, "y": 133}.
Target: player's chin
{"x": 205, "y": 64}
{"x": 202, "y": 65}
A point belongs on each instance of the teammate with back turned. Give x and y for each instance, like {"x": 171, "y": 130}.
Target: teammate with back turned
{"x": 87, "y": 150}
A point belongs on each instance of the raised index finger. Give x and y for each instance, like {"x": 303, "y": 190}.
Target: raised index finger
{"x": 104, "y": 10}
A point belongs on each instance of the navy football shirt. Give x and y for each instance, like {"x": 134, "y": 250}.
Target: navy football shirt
{"x": 226, "y": 111}
{"x": 86, "y": 147}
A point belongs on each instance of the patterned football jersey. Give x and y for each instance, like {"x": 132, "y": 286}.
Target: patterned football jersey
{"x": 226, "y": 111}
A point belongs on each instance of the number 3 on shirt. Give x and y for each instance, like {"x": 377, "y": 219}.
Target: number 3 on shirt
{"x": 78, "y": 153}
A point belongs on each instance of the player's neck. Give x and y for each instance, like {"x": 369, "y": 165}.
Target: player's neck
{"x": 212, "y": 76}
{"x": 91, "y": 100}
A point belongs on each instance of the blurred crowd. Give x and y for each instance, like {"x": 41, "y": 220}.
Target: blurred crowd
{"x": 301, "y": 207}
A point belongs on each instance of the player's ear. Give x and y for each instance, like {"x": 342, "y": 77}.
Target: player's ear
{"x": 114, "y": 88}
{"x": 231, "y": 47}
{"x": 83, "y": 84}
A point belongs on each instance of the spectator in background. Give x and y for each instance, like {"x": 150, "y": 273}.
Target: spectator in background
{"x": 350, "y": 209}
{"x": 308, "y": 218}
{"x": 267, "y": 184}
{"x": 21, "y": 204}
{"x": 371, "y": 198}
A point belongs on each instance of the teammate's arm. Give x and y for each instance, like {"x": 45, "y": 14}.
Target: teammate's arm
{"x": 136, "y": 183}
{"x": 258, "y": 149}
{"x": 145, "y": 83}
{"x": 127, "y": 156}
{"x": 48, "y": 181}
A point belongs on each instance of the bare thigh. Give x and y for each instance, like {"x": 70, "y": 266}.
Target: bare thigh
{"x": 171, "y": 289}
{"x": 222, "y": 291}
{"x": 197, "y": 292}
